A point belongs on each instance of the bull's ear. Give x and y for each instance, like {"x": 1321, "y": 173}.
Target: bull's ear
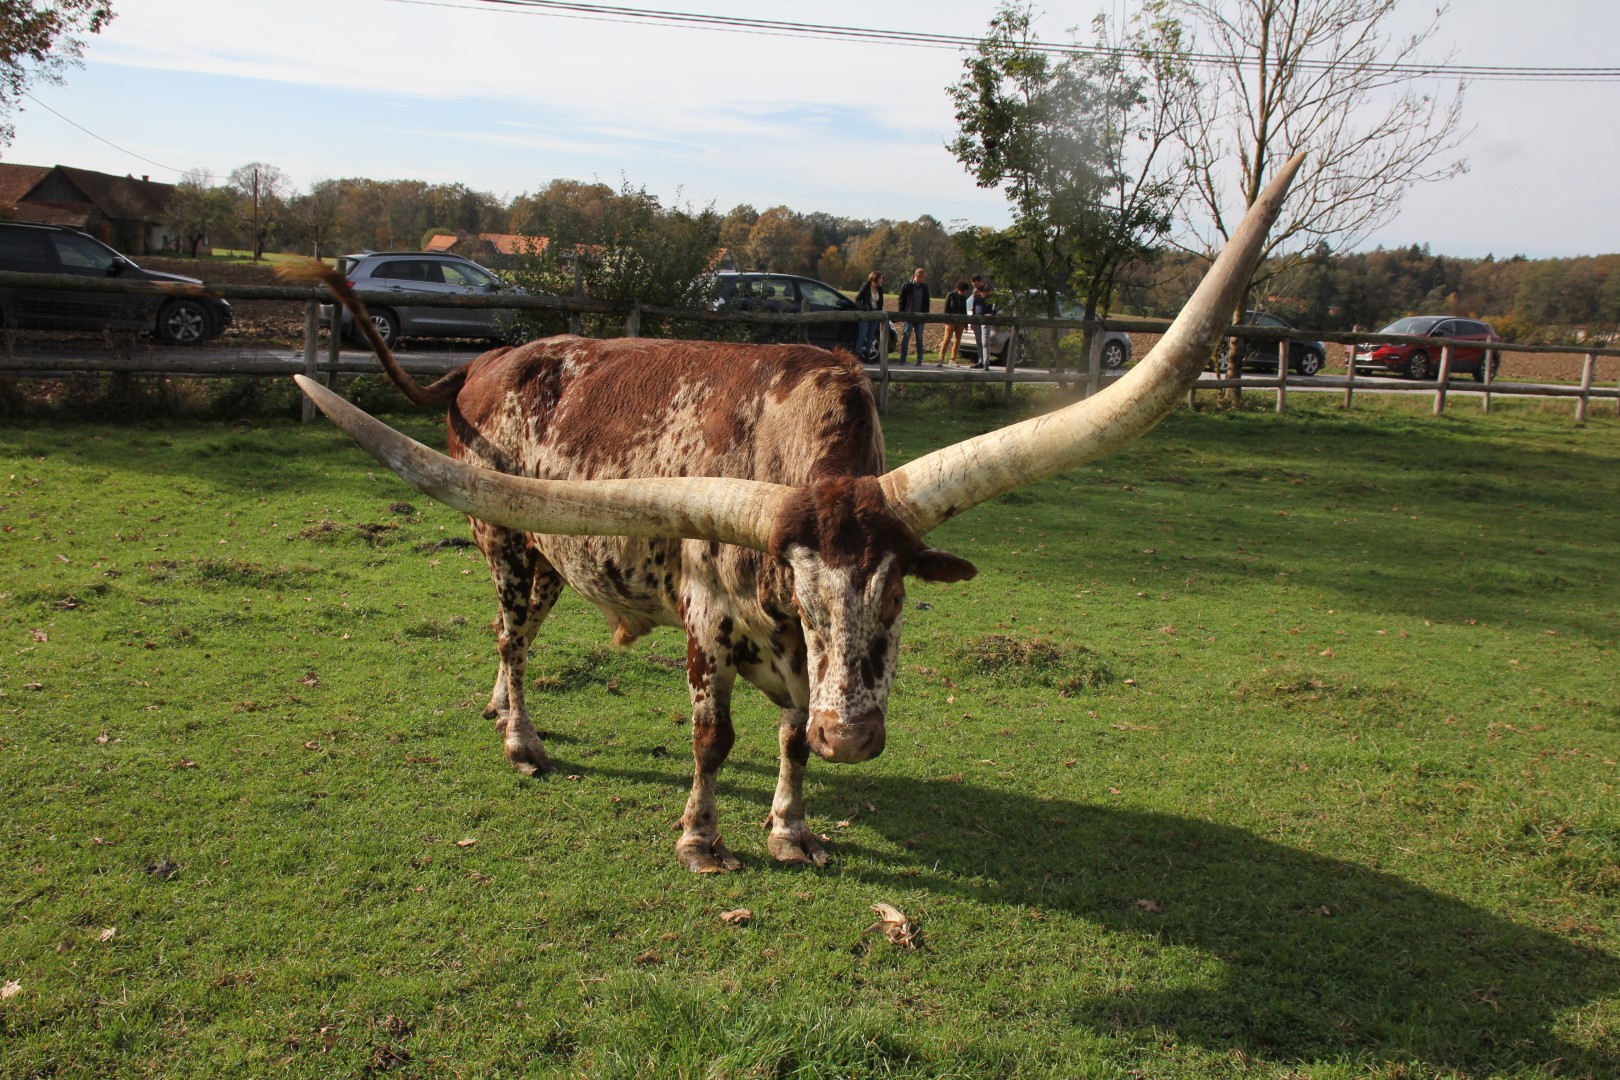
{"x": 935, "y": 565}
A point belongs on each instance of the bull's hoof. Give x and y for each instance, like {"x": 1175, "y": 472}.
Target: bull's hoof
{"x": 706, "y": 856}
{"x": 797, "y": 845}
{"x": 492, "y": 712}
{"x": 530, "y": 760}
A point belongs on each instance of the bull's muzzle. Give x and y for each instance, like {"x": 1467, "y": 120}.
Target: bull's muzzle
{"x": 846, "y": 741}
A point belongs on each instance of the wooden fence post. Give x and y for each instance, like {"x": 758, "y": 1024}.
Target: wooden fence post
{"x": 1587, "y": 366}
{"x": 312, "y": 352}
{"x": 1009, "y": 356}
{"x": 632, "y": 322}
{"x": 1490, "y": 362}
{"x": 579, "y": 294}
{"x": 883, "y": 365}
{"x": 1282, "y": 377}
{"x": 334, "y": 343}
{"x": 1349, "y": 374}
{"x": 1445, "y": 378}
{"x": 1094, "y": 363}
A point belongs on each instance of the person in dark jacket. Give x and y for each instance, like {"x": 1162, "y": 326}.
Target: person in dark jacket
{"x": 955, "y": 304}
{"x": 914, "y": 297}
{"x": 980, "y": 306}
{"x": 870, "y": 298}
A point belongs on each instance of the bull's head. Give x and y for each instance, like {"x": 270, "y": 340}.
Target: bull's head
{"x": 849, "y": 542}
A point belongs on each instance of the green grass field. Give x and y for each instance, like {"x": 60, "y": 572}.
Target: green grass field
{"x": 1273, "y": 747}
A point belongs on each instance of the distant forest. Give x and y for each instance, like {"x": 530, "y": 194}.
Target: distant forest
{"x": 1567, "y": 299}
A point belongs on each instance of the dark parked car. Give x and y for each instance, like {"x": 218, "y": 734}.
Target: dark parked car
{"x": 1420, "y": 361}
{"x": 1305, "y": 356}
{"x": 56, "y": 249}
{"x": 788, "y": 294}
{"x": 427, "y": 272}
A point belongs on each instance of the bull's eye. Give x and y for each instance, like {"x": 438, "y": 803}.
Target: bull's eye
{"x": 894, "y": 598}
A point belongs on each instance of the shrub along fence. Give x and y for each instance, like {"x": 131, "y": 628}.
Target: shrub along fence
{"x": 124, "y": 353}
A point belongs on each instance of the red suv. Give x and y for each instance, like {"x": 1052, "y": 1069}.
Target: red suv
{"x": 1421, "y": 361}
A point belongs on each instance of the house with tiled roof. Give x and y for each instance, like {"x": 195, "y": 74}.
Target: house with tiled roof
{"x": 483, "y": 245}
{"x": 121, "y": 211}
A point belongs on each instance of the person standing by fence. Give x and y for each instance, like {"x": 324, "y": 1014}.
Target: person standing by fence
{"x": 955, "y": 304}
{"x": 979, "y": 305}
{"x": 914, "y": 297}
{"x": 870, "y": 298}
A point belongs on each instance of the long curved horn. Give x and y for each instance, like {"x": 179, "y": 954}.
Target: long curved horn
{"x": 731, "y": 511}
{"x": 925, "y": 492}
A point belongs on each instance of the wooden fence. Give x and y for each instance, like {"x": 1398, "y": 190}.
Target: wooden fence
{"x": 317, "y": 358}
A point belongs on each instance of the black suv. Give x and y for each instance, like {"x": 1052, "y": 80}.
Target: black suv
{"x": 423, "y": 272}
{"x": 55, "y": 249}
{"x": 787, "y": 294}
{"x": 1304, "y": 355}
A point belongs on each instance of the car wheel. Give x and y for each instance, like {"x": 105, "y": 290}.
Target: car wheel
{"x": 182, "y": 322}
{"x": 1310, "y": 363}
{"x": 1417, "y": 366}
{"x": 387, "y": 324}
{"x": 1113, "y": 354}
{"x": 1493, "y": 359}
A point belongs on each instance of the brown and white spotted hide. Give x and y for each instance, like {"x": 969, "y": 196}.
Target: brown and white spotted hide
{"x": 814, "y": 623}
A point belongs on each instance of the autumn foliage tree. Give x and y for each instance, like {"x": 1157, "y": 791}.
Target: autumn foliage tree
{"x": 38, "y": 42}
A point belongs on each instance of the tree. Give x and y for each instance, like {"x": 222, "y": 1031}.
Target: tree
{"x": 1321, "y": 76}
{"x": 38, "y": 41}
{"x": 314, "y": 218}
{"x": 640, "y": 251}
{"x": 1078, "y": 143}
{"x": 198, "y": 209}
{"x": 261, "y": 193}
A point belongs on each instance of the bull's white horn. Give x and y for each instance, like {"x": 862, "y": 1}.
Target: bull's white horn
{"x": 731, "y": 511}
{"x": 939, "y": 485}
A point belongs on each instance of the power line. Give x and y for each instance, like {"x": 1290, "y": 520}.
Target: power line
{"x": 93, "y": 135}
{"x": 595, "y": 12}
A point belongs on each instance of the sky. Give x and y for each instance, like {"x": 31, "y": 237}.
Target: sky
{"x": 503, "y": 101}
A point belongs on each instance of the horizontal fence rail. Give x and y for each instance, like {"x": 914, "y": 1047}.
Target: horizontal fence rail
{"x": 129, "y": 356}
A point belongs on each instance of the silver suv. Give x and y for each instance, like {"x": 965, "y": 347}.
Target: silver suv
{"x": 1116, "y": 345}
{"x": 423, "y": 272}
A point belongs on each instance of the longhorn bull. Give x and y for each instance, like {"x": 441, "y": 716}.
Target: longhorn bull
{"x": 739, "y": 493}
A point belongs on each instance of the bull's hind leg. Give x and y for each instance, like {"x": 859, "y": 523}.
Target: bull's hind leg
{"x": 791, "y": 840}
{"x": 710, "y": 678}
{"x": 526, "y": 587}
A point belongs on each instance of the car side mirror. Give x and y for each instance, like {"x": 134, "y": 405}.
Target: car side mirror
{"x": 118, "y": 266}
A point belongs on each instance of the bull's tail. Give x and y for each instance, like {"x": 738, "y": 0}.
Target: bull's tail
{"x": 439, "y": 393}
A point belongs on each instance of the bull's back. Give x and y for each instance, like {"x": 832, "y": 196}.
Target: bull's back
{"x": 580, "y": 408}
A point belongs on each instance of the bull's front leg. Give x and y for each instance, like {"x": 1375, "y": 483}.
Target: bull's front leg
{"x": 710, "y": 678}
{"x": 791, "y": 840}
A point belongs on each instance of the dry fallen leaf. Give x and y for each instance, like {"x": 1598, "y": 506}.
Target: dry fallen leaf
{"x": 102, "y": 738}
{"x": 184, "y": 763}
{"x": 736, "y": 916}
{"x": 107, "y": 934}
{"x": 40, "y": 635}
{"x": 469, "y": 842}
{"x": 1149, "y": 905}
{"x": 646, "y": 958}
{"x": 482, "y": 879}
{"x": 895, "y": 926}
{"x": 10, "y": 990}
{"x": 312, "y": 746}
{"x": 310, "y": 679}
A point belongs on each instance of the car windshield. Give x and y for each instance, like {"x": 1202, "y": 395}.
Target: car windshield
{"x": 1414, "y": 325}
